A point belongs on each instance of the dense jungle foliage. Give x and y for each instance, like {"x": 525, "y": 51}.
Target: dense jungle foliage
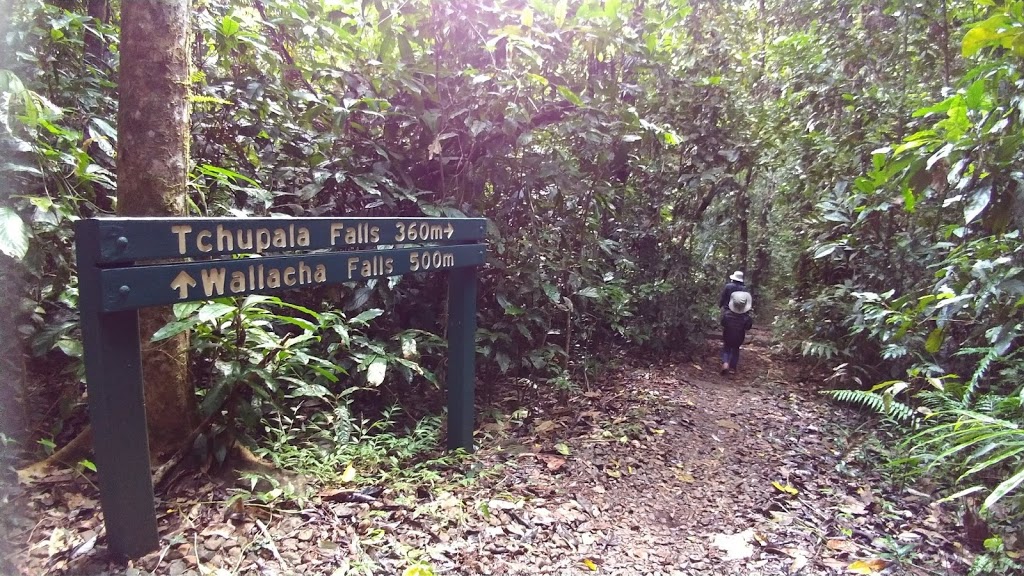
{"x": 859, "y": 159}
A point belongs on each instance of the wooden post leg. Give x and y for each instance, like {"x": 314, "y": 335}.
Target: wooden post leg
{"x": 113, "y": 371}
{"x": 461, "y": 356}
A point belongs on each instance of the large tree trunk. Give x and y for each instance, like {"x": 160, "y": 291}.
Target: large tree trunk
{"x": 152, "y": 160}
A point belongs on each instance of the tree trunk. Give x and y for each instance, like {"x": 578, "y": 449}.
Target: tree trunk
{"x": 762, "y": 254}
{"x": 742, "y": 217}
{"x": 152, "y": 159}
{"x": 95, "y": 49}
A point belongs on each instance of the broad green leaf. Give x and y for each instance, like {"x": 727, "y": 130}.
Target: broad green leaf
{"x": 174, "y": 328}
{"x": 14, "y": 234}
{"x": 526, "y": 17}
{"x": 229, "y": 26}
{"x": 825, "y": 250}
{"x": 552, "y": 292}
{"x": 214, "y": 310}
{"x": 589, "y": 292}
{"x": 503, "y": 361}
{"x": 72, "y": 348}
{"x": 985, "y": 33}
{"x": 976, "y": 39}
{"x": 975, "y": 94}
{"x": 408, "y": 346}
{"x": 105, "y": 128}
{"x": 509, "y": 308}
{"x": 611, "y": 8}
{"x": 365, "y": 316}
{"x": 934, "y": 341}
{"x": 376, "y": 371}
{"x": 976, "y": 203}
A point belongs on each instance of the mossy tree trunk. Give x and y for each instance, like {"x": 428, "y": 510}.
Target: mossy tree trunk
{"x": 152, "y": 160}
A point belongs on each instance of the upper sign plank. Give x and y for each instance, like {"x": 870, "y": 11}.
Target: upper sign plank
{"x": 136, "y": 239}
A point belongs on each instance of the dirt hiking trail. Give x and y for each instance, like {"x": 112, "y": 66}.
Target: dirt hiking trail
{"x": 661, "y": 470}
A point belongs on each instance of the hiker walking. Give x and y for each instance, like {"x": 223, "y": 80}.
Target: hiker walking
{"x": 736, "y": 321}
{"x": 735, "y": 283}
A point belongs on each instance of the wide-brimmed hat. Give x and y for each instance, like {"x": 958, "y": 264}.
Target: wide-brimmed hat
{"x": 737, "y": 276}
{"x": 740, "y": 302}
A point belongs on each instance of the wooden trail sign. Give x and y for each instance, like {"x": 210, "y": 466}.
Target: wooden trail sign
{"x": 257, "y": 255}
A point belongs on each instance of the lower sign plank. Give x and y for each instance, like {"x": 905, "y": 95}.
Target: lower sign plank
{"x": 136, "y": 287}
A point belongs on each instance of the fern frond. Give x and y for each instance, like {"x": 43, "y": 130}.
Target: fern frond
{"x": 876, "y": 402}
{"x": 938, "y": 401}
{"x": 991, "y": 355}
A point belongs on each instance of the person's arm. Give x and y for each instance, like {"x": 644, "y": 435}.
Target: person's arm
{"x": 723, "y": 300}
{"x": 749, "y": 323}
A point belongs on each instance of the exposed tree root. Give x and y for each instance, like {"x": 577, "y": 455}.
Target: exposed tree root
{"x": 68, "y": 456}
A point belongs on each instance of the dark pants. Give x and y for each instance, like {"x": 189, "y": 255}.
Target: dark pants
{"x": 730, "y": 356}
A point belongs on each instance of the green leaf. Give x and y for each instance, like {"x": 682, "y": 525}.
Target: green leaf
{"x": 367, "y": 315}
{"x": 570, "y": 95}
{"x": 934, "y": 341}
{"x": 961, "y": 493}
{"x": 14, "y": 234}
{"x": 976, "y": 94}
{"x": 229, "y": 26}
{"x": 552, "y": 292}
{"x": 561, "y": 11}
{"x": 376, "y": 371}
{"x": 509, "y": 308}
{"x": 980, "y": 36}
{"x": 72, "y": 348}
{"x": 976, "y": 203}
{"x": 526, "y": 17}
{"x": 611, "y": 8}
{"x": 408, "y": 346}
{"x": 174, "y": 328}
{"x": 1004, "y": 488}
{"x": 589, "y": 292}
{"x": 503, "y": 361}
{"x": 825, "y": 250}
{"x": 214, "y": 310}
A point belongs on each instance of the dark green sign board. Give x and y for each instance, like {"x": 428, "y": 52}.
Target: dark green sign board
{"x": 257, "y": 255}
{"x": 136, "y": 239}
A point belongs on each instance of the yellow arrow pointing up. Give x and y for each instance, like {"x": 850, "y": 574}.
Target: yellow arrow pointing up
{"x": 182, "y": 282}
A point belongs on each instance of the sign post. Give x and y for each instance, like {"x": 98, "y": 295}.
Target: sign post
{"x": 115, "y": 280}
